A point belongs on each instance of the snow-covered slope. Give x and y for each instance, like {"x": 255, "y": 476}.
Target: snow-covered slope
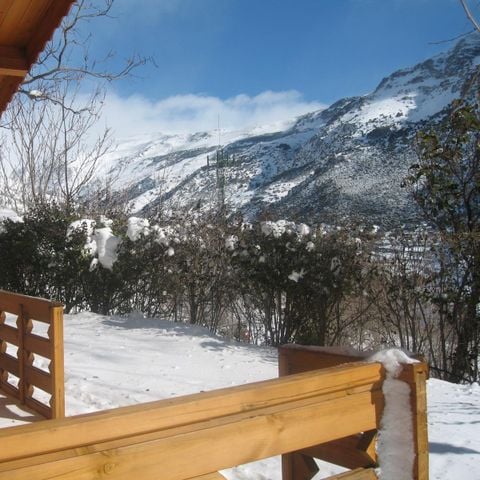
{"x": 111, "y": 362}
{"x": 347, "y": 160}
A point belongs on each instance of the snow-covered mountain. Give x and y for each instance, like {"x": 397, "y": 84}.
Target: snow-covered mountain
{"x": 346, "y": 160}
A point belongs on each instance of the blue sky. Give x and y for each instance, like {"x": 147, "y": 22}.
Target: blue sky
{"x": 240, "y": 58}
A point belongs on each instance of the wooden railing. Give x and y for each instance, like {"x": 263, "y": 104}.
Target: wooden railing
{"x": 358, "y": 451}
{"x": 195, "y": 436}
{"x": 21, "y": 345}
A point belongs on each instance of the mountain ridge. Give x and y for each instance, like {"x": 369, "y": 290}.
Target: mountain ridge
{"x": 345, "y": 161}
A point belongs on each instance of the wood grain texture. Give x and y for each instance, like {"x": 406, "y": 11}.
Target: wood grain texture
{"x": 297, "y": 466}
{"x": 13, "y": 61}
{"x": 56, "y": 367}
{"x": 28, "y": 345}
{"x": 208, "y": 445}
{"x": 334, "y": 383}
{"x": 350, "y": 452}
{"x": 25, "y": 25}
{"x": 344, "y": 452}
{"x": 357, "y": 474}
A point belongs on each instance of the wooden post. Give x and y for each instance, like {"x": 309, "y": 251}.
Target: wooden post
{"x": 56, "y": 367}
{"x": 3, "y": 349}
{"x": 416, "y": 376}
{"x": 296, "y": 466}
{"x": 21, "y": 354}
{"x": 349, "y": 452}
{"x": 297, "y": 358}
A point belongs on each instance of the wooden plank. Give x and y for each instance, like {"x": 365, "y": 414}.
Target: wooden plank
{"x": 344, "y": 452}
{"x": 10, "y": 364}
{"x": 8, "y": 87}
{"x": 46, "y": 26}
{"x": 56, "y": 367}
{"x": 13, "y": 61}
{"x": 21, "y": 21}
{"x": 9, "y": 389}
{"x": 358, "y": 474}
{"x": 163, "y": 414}
{"x": 30, "y": 21}
{"x": 301, "y": 358}
{"x": 5, "y": 6}
{"x": 39, "y": 378}
{"x": 296, "y": 466}
{"x": 216, "y": 444}
{"x": 10, "y": 31}
{"x": 9, "y": 334}
{"x": 36, "y": 344}
{"x": 298, "y": 358}
{"x": 411, "y": 370}
{"x": 33, "y": 307}
{"x": 38, "y": 407}
{"x": 22, "y": 386}
{"x": 418, "y": 399}
{"x": 209, "y": 476}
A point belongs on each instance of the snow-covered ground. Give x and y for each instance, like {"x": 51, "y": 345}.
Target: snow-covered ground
{"x": 110, "y": 362}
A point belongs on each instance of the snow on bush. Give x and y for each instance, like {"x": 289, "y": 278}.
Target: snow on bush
{"x": 86, "y": 225}
{"x": 395, "y": 437}
{"x": 161, "y": 235}
{"x": 137, "y": 227}
{"x": 99, "y": 241}
{"x": 6, "y": 213}
{"x": 296, "y": 276}
{"x": 303, "y": 230}
{"x": 278, "y": 228}
{"x": 231, "y": 242}
{"x": 107, "y": 244}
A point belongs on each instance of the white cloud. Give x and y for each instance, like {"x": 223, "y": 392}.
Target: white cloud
{"x": 192, "y": 113}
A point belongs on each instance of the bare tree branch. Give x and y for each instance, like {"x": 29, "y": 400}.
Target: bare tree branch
{"x": 53, "y": 152}
{"x": 470, "y": 15}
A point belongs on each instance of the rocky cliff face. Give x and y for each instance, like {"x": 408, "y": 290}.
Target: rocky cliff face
{"x": 345, "y": 161}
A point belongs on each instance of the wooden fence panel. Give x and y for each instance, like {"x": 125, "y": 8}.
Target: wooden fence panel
{"x": 357, "y": 451}
{"x": 26, "y": 309}
{"x": 196, "y": 435}
{"x": 330, "y": 412}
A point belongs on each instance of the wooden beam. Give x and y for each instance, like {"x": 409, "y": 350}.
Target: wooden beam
{"x": 350, "y": 452}
{"x": 13, "y": 61}
{"x": 209, "y": 476}
{"x": 214, "y": 444}
{"x": 149, "y": 417}
{"x": 416, "y": 375}
{"x": 296, "y": 466}
{"x": 358, "y": 474}
{"x": 25, "y": 25}
{"x": 56, "y": 367}
{"x": 8, "y": 87}
{"x": 32, "y": 307}
{"x": 52, "y": 19}
{"x": 300, "y": 358}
